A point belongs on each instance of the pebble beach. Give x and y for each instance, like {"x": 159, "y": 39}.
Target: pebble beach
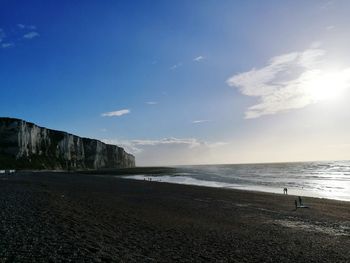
{"x": 72, "y": 217}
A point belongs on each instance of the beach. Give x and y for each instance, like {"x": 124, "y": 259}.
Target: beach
{"x": 72, "y": 217}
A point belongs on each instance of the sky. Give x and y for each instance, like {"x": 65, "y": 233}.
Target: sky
{"x": 184, "y": 82}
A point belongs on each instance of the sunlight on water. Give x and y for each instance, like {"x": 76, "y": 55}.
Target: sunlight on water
{"x": 317, "y": 179}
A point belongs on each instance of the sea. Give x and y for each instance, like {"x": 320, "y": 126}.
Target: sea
{"x": 329, "y": 180}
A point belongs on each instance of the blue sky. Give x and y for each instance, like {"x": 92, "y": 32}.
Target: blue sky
{"x": 183, "y": 82}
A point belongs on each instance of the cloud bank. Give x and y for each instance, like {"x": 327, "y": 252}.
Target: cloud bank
{"x": 168, "y": 151}
{"x": 290, "y": 81}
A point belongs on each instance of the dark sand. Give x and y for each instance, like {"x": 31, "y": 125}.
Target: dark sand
{"x": 57, "y": 217}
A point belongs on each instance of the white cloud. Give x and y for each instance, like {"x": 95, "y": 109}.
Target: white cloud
{"x": 138, "y": 146}
{"x": 30, "y": 27}
{"x": 191, "y": 142}
{"x": 151, "y": 102}
{"x": 7, "y": 45}
{"x": 290, "y": 81}
{"x": 115, "y": 113}
{"x": 173, "y": 67}
{"x": 199, "y": 58}
{"x": 31, "y": 35}
{"x": 168, "y": 151}
{"x": 217, "y": 144}
{"x": 200, "y": 121}
{"x": 331, "y": 27}
{"x": 24, "y": 32}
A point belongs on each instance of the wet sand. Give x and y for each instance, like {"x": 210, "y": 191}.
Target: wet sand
{"x": 60, "y": 217}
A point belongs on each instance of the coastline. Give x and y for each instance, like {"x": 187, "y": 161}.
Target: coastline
{"x": 220, "y": 185}
{"x": 60, "y": 216}
{"x": 328, "y": 180}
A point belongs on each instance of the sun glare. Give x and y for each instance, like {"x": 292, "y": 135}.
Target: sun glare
{"x": 328, "y": 85}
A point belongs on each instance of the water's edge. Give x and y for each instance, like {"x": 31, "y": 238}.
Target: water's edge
{"x": 329, "y": 180}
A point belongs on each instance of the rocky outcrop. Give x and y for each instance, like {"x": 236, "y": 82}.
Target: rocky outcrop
{"x": 24, "y": 145}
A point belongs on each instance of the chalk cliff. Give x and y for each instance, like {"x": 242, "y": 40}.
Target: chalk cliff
{"x": 24, "y": 145}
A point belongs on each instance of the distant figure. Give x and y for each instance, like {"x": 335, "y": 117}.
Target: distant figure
{"x": 300, "y": 201}
{"x": 285, "y": 191}
{"x": 296, "y": 204}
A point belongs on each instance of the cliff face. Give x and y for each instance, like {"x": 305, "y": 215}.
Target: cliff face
{"x": 24, "y": 145}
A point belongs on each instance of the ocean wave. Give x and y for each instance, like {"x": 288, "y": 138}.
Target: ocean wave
{"x": 327, "y": 180}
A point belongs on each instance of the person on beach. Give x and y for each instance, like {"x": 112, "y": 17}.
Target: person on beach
{"x": 285, "y": 191}
{"x": 296, "y": 204}
{"x": 300, "y": 201}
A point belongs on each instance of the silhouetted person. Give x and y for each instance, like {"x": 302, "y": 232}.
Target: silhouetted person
{"x": 286, "y": 190}
{"x": 296, "y": 204}
{"x": 300, "y": 201}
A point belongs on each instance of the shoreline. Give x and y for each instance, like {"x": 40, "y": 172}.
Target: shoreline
{"x": 220, "y": 185}
{"x": 158, "y": 173}
{"x": 90, "y": 218}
